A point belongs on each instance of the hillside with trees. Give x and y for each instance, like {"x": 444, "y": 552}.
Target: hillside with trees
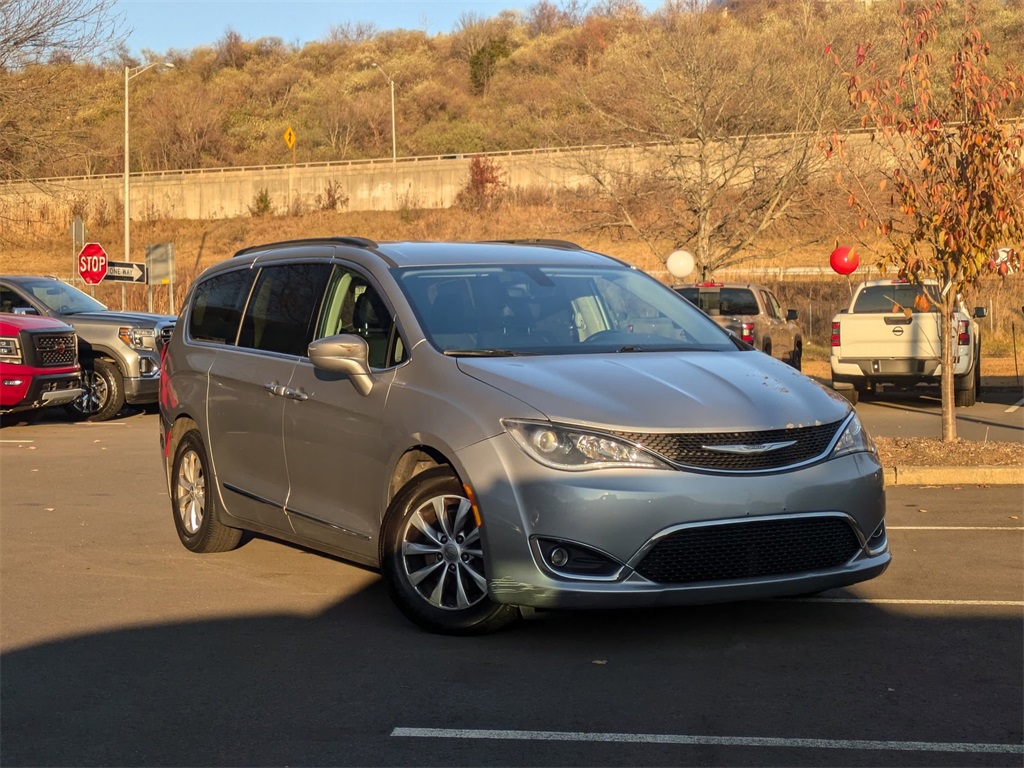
{"x": 558, "y": 74}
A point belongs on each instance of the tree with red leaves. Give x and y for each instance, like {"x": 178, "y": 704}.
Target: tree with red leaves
{"x": 951, "y": 151}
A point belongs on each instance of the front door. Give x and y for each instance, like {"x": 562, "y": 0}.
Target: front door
{"x": 338, "y": 445}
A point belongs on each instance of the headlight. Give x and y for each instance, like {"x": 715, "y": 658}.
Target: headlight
{"x": 10, "y": 351}
{"x": 563, "y": 447}
{"x": 854, "y": 440}
{"x": 137, "y": 337}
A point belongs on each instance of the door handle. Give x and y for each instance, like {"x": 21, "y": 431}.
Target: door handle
{"x": 296, "y": 394}
{"x": 276, "y": 389}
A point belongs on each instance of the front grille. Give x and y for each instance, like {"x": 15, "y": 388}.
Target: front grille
{"x": 55, "y": 349}
{"x": 749, "y": 550}
{"x": 692, "y": 449}
{"x": 165, "y": 335}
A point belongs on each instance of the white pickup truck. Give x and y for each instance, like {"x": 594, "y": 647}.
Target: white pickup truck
{"x": 890, "y": 335}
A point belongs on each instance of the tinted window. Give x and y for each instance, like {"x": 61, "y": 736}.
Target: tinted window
{"x": 217, "y": 307}
{"x": 284, "y": 305}
{"x": 894, "y": 298}
{"x": 721, "y": 301}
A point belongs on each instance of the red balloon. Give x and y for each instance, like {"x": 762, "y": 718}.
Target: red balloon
{"x": 844, "y": 260}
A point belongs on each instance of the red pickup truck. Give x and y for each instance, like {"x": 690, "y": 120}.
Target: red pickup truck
{"x": 38, "y": 363}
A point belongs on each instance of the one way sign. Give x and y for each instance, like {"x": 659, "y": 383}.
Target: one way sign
{"x": 126, "y": 272}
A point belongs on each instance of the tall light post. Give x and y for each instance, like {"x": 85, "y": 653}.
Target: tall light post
{"x": 129, "y": 74}
{"x": 391, "y": 82}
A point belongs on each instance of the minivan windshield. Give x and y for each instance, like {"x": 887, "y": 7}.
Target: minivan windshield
{"x": 60, "y": 297}
{"x": 519, "y": 309}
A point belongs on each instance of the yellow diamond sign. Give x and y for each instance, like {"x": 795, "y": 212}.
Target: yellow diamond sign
{"x": 289, "y": 138}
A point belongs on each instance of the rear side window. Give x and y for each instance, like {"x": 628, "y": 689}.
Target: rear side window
{"x": 217, "y": 307}
{"x": 284, "y": 305}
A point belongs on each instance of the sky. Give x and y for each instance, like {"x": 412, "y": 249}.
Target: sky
{"x": 160, "y": 25}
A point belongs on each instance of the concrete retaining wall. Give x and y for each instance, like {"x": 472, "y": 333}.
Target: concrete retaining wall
{"x": 428, "y": 182}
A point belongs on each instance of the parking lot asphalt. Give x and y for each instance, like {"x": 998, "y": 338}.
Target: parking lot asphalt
{"x": 119, "y": 647}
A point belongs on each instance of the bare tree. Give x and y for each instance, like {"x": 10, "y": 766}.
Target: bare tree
{"x": 39, "y": 41}
{"x": 34, "y": 31}
{"x": 727, "y": 130}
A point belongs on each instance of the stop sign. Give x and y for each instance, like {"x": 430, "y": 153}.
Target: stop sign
{"x": 92, "y": 263}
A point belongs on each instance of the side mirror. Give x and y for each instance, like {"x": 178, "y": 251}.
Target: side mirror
{"x": 24, "y": 311}
{"x": 980, "y": 312}
{"x": 792, "y": 314}
{"x": 347, "y": 354}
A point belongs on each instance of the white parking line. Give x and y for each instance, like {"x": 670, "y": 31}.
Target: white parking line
{"x": 17, "y": 441}
{"x": 1014, "y": 407}
{"x": 723, "y": 741}
{"x": 954, "y": 527}
{"x": 899, "y": 601}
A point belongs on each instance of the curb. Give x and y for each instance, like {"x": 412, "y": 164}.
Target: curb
{"x": 953, "y": 476}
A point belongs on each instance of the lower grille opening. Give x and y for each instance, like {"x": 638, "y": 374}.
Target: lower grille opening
{"x": 750, "y": 549}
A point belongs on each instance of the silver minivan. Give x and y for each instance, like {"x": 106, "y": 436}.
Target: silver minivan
{"x": 508, "y": 425}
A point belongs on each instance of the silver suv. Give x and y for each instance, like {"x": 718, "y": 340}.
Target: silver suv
{"x": 485, "y": 423}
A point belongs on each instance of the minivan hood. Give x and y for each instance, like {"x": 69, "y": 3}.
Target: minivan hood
{"x": 663, "y": 391}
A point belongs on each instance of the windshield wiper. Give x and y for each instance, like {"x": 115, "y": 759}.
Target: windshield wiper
{"x": 488, "y": 353}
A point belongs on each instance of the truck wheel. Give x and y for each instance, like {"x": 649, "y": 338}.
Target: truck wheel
{"x": 796, "y": 357}
{"x": 965, "y": 398}
{"x": 848, "y": 391}
{"x": 104, "y": 393}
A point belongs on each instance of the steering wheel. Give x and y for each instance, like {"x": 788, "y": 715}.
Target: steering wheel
{"x": 607, "y": 335}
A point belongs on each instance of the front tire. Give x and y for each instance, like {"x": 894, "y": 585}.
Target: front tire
{"x": 103, "y": 398}
{"x": 432, "y": 558}
{"x": 194, "y": 500}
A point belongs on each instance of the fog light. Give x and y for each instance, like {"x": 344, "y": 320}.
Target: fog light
{"x": 13, "y": 382}
{"x": 558, "y": 557}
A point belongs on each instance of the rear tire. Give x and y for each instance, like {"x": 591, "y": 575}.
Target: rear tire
{"x": 848, "y": 391}
{"x": 796, "y": 357}
{"x": 432, "y": 559}
{"x": 965, "y": 398}
{"x": 194, "y": 500}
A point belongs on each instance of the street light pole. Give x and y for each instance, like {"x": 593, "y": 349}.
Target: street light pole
{"x": 129, "y": 74}
{"x": 391, "y": 82}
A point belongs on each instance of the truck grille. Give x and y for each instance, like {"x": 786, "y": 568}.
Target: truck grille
{"x": 689, "y": 449}
{"x": 165, "y": 336}
{"x": 55, "y": 349}
{"x": 749, "y": 550}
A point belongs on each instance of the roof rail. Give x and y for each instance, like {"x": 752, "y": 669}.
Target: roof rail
{"x": 540, "y": 241}
{"x": 358, "y": 242}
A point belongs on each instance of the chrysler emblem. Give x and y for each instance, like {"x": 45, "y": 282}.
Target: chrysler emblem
{"x": 749, "y": 449}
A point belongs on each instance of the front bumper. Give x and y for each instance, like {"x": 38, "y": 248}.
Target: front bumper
{"x": 42, "y": 392}
{"x": 142, "y": 390}
{"x": 619, "y": 513}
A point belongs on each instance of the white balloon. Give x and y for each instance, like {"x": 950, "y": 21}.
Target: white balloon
{"x": 680, "y": 263}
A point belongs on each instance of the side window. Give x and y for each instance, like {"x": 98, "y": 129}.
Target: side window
{"x": 771, "y": 306}
{"x": 10, "y": 301}
{"x": 284, "y": 305}
{"x": 354, "y": 306}
{"x": 217, "y": 307}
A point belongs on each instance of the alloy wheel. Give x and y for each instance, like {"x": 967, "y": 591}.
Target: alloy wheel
{"x": 442, "y": 553}
{"x": 191, "y": 496}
